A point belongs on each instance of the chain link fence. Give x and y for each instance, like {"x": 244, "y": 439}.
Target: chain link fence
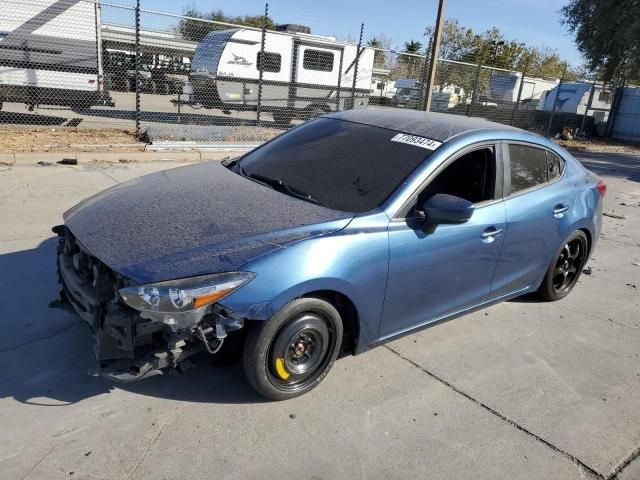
{"x": 79, "y": 63}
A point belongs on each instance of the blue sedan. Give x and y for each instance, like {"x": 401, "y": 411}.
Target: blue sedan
{"x": 339, "y": 235}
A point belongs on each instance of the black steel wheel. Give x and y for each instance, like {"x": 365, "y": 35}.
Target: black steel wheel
{"x": 292, "y": 352}
{"x": 566, "y": 268}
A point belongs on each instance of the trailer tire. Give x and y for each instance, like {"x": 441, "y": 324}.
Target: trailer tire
{"x": 282, "y": 118}
{"x": 317, "y": 111}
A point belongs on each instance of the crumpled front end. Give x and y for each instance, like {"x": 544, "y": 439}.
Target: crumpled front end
{"x": 127, "y": 346}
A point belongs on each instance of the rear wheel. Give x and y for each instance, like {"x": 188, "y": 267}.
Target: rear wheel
{"x": 564, "y": 271}
{"x": 291, "y": 353}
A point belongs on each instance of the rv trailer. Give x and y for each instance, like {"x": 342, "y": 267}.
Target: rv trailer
{"x": 505, "y": 88}
{"x": 303, "y": 75}
{"x": 51, "y": 53}
{"x": 577, "y": 97}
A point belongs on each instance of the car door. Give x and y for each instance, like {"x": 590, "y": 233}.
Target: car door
{"x": 438, "y": 270}
{"x": 538, "y": 208}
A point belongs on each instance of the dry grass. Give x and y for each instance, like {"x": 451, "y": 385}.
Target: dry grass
{"x": 600, "y": 145}
{"x": 67, "y": 139}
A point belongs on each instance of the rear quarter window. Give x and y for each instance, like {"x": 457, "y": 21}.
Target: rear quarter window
{"x": 555, "y": 166}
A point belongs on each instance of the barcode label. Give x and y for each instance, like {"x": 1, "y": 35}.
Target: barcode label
{"x": 414, "y": 140}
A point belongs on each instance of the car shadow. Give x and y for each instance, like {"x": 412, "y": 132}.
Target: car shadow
{"x": 47, "y": 352}
{"x": 184, "y": 118}
{"x": 528, "y": 298}
{"x": 623, "y": 165}
{"x": 19, "y": 118}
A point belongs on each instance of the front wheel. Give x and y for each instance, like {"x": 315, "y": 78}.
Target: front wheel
{"x": 565, "y": 269}
{"x": 291, "y": 353}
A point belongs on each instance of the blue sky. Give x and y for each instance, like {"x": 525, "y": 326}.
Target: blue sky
{"x": 536, "y": 22}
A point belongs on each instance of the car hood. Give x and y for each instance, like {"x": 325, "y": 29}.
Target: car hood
{"x": 193, "y": 220}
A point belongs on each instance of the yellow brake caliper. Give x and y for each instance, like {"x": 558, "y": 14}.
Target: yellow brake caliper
{"x": 282, "y": 372}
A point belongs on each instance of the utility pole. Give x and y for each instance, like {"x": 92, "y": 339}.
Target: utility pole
{"x": 435, "y": 49}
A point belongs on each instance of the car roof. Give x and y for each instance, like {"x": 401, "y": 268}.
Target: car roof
{"x": 436, "y": 126}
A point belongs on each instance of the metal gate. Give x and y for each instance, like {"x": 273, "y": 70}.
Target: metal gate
{"x": 626, "y": 123}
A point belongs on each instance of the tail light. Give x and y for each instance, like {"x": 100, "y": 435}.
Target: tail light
{"x": 602, "y": 188}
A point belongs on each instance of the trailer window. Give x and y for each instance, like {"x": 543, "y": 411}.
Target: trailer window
{"x": 272, "y": 62}
{"x": 318, "y": 60}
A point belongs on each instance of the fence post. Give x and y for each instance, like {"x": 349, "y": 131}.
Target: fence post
{"x": 586, "y": 110}
{"x": 517, "y": 105}
{"x": 474, "y": 91}
{"x": 339, "y": 82}
{"x": 423, "y": 78}
{"x": 137, "y": 68}
{"x": 355, "y": 68}
{"x": 261, "y": 69}
{"x": 617, "y": 97}
{"x": 555, "y": 100}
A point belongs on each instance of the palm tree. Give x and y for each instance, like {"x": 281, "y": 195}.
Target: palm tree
{"x": 412, "y": 47}
{"x": 379, "y": 57}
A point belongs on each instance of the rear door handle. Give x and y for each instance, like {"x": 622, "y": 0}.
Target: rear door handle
{"x": 559, "y": 210}
{"x": 490, "y": 234}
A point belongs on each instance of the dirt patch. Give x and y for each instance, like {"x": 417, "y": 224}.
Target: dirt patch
{"x": 66, "y": 139}
{"x": 600, "y": 145}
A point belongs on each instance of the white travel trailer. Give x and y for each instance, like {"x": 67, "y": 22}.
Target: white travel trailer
{"x": 573, "y": 97}
{"x": 50, "y": 53}
{"x": 504, "y": 88}
{"x": 304, "y": 75}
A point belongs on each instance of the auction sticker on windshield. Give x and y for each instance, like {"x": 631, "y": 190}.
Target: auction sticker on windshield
{"x": 421, "y": 142}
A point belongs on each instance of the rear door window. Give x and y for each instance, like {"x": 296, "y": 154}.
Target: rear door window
{"x": 528, "y": 167}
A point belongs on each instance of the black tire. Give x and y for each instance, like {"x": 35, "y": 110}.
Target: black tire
{"x": 282, "y": 118}
{"x": 565, "y": 269}
{"x": 316, "y": 111}
{"x": 291, "y": 353}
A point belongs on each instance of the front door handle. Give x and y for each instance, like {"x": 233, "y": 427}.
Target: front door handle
{"x": 490, "y": 234}
{"x": 560, "y": 210}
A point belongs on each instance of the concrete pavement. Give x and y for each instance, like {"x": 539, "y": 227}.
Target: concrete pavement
{"x": 521, "y": 390}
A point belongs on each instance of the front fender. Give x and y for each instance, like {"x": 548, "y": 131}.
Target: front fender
{"x": 353, "y": 262}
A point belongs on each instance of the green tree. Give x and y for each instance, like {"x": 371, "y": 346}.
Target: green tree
{"x": 409, "y": 66}
{"x": 607, "y": 33}
{"x": 379, "y": 56}
{"x": 194, "y": 29}
{"x": 413, "y": 47}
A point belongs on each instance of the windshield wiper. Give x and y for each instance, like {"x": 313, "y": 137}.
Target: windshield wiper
{"x": 279, "y": 185}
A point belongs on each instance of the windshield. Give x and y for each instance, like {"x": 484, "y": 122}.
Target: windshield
{"x": 343, "y": 165}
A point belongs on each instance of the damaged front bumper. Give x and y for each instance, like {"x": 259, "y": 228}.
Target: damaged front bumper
{"x": 127, "y": 346}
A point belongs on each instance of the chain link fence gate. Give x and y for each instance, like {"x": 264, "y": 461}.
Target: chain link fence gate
{"x": 79, "y": 63}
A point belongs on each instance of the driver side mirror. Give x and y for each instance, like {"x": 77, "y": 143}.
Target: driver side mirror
{"x": 443, "y": 208}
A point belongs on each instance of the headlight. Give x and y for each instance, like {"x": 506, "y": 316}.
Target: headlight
{"x": 182, "y": 303}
